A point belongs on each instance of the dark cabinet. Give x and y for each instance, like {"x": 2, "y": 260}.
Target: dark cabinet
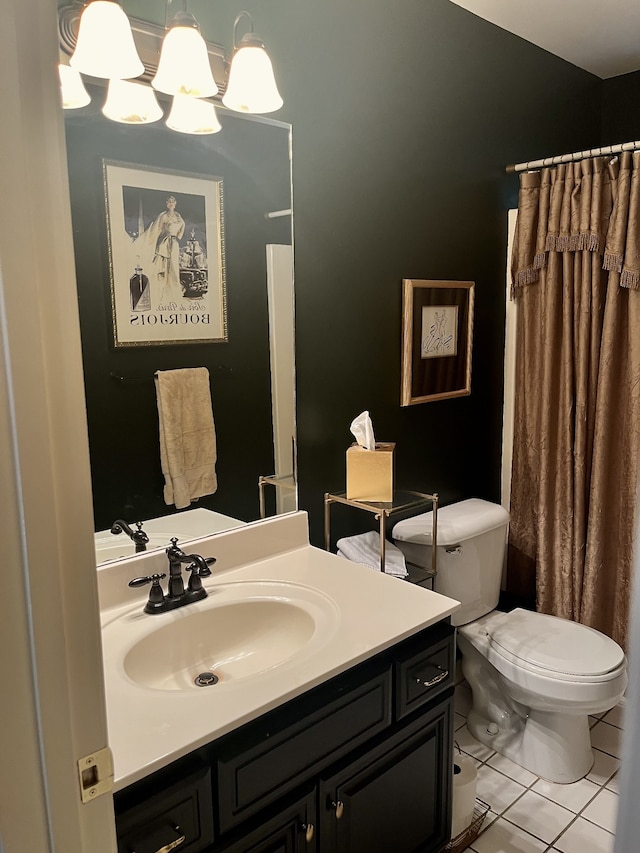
{"x": 359, "y": 764}
{"x": 395, "y": 797}
{"x": 170, "y": 812}
{"x": 292, "y": 830}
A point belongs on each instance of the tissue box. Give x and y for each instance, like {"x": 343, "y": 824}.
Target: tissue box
{"x": 370, "y": 472}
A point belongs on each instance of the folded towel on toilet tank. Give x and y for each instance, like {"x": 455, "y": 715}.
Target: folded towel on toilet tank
{"x": 365, "y": 548}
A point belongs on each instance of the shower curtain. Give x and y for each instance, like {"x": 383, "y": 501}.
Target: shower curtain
{"x": 576, "y": 456}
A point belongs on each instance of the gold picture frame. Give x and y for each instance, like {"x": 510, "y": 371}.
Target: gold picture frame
{"x": 437, "y": 332}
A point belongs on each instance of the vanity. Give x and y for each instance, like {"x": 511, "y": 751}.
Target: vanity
{"x": 329, "y": 724}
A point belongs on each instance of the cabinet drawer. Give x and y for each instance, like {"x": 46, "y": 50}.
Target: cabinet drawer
{"x": 182, "y": 810}
{"x": 424, "y": 674}
{"x": 272, "y": 756}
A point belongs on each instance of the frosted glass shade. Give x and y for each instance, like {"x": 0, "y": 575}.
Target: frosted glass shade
{"x": 190, "y": 115}
{"x": 184, "y": 67}
{"x": 105, "y": 46}
{"x": 74, "y": 94}
{"x": 131, "y": 103}
{"x": 252, "y": 85}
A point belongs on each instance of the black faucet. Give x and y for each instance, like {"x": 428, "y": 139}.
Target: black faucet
{"x": 138, "y": 537}
{"x": 177, "y": 595}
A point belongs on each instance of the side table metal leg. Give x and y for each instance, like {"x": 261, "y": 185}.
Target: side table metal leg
{"x": 383, "y": 540}
{"x": 327, "y": 522}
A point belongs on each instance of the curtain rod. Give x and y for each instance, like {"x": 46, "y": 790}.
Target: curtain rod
{"x": 569, "y": 158}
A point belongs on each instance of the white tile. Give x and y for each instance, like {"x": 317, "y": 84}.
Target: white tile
{"x": 607, "y": 738}
{"x": 615, "y": 717}
{"x": 614, "y": 784}
{"x": 458, "y": 721}
{"x": 504, "y": 837}
{"x": 497, "y": 790}
{"x": 462, "y": 699}
{"x": 584, "y": 837}
{"x": 539, "y": 816}
{"x": 512, "y": 770}
{"x": 470, "y": 745}
{"x": 603, "y": 810}
{"x": 603, "y": 768}
{"x": 574, "y": 796}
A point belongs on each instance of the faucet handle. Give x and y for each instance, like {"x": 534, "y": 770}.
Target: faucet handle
{"x": 156, "y": 595}
{"x": 154, "y": 579}
{"x": 205, "y": 571}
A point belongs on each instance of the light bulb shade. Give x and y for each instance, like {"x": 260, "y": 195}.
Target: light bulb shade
{"x": 105, "y": 46}
{"x": 190, "y": 115}
{"x": 252, "y": 86}
{"x": 131, "y": 103}
{"x": 74, "y": 94}
{"x": 184, "y": 67}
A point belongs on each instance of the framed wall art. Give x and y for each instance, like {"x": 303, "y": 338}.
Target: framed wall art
{"x": 166, "y": 256}
{"x": 437, "y": 332}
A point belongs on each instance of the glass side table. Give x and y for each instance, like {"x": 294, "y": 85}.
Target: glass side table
{"x": 403, "y": 501}
{"x": 286, "y": 482}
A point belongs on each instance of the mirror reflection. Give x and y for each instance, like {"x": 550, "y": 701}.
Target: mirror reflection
{"x": 251, "y": 367}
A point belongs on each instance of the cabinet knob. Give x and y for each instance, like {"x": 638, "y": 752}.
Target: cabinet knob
{"x": 435, "y": 680}
{"x": 309, "y": 831}
{"x": 339, "y": 807}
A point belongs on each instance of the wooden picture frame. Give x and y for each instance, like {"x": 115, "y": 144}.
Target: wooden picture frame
{"x": 166, "y": 256}
{"x": 437, "y": 331}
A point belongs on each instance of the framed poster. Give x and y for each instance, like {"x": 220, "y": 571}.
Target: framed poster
{"x": 166, "y": 256}
{"x": 437, "y": 333}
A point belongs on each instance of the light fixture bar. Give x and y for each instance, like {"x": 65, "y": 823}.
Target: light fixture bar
{"x": 148, "y": 40}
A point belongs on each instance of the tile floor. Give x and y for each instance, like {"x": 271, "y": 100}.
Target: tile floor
{"x": 529, "y": 815}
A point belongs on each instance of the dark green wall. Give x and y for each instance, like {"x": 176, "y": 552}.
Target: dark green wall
{"x": 404, "y": 115}
{"x": 621, "y": 109}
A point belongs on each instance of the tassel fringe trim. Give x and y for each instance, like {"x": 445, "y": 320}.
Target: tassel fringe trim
{"x": 630, "y": 279}
{"x": 585, "y": 241}
{"x": 612, "y": 263}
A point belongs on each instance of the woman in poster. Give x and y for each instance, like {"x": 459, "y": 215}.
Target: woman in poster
{"x": 168, "y": 229}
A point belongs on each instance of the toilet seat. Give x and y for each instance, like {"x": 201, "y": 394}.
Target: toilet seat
{"x": 554, "y": 647}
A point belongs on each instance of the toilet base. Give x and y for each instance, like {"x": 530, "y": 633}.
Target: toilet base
{"x": 555, "y": 747}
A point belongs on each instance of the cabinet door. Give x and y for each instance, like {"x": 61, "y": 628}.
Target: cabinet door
{"x": 397, "y": 797}
{"x": 292, "y": 830}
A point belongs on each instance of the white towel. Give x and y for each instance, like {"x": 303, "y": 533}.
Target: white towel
{"x": 365, "y": 549}
{"x": 187, "y": 435}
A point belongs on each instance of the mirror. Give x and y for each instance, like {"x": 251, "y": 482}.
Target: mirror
{"x": 251, "y": 372}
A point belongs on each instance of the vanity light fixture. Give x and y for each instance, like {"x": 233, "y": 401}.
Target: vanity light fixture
{"x": 252, "y": 86}
{"x": 192, "y": 115}
{"x": 74, "y": 94}
{"x": 131, "y": 103}
{"x": 184, "y": 67}
{"x": 105, "y": 46}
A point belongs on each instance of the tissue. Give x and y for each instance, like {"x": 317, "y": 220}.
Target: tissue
{"x": 369, "y": 464}
{"x": 362, "y": 430}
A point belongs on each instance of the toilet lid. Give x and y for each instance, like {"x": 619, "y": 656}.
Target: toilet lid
{"x": 555, "y": 644}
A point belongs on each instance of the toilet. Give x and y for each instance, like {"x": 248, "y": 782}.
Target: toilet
{"x": 535, "y": 679}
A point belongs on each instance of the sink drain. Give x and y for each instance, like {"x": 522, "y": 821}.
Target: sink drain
{"x": 205, "y": 679}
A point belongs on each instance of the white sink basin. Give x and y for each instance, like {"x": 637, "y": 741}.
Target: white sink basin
{"x": 241, "y": 631}
{"x": 116, "y": 547}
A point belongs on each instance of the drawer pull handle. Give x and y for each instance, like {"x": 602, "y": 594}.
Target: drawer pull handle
{"x": 444, "y": 673}
{"x": 339, "y": 807}
{"x": 309, "y": 830}
{"x": 172, "y": 844}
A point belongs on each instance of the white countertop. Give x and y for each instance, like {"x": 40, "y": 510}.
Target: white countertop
{"x": 364, "y": 613}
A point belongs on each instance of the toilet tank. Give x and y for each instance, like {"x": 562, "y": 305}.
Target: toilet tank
{"x": 471, "y": 541}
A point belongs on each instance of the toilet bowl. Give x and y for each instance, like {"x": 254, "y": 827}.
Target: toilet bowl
{"x": 535, "y": 678}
